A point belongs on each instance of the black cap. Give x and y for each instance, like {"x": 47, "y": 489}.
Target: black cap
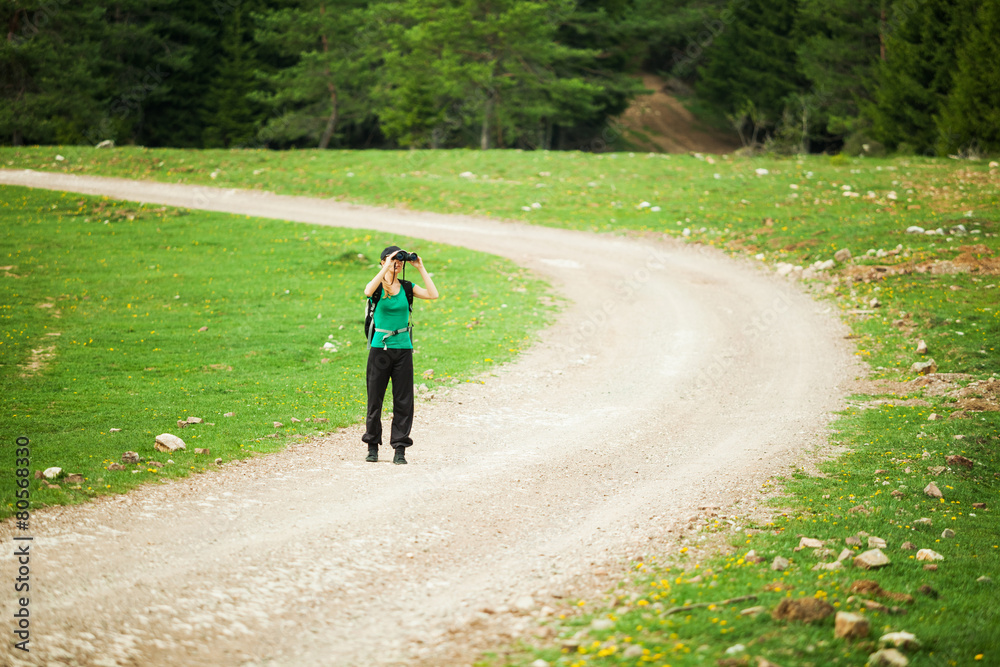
{"x": 389, "y": 251}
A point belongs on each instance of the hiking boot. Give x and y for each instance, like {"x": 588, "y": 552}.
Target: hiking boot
{"x": 372, "y": 455}
{"x": 399, "y": 458}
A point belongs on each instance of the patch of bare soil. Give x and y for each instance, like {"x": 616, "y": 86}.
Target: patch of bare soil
{"x": 660, "y": 123}
{"x": 38, "y": 360}
{"x": 975, "y": 259}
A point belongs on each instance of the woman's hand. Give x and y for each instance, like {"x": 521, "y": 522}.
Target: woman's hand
{"x": 418, "y": 263}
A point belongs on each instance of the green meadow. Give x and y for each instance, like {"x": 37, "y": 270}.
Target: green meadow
{"x": 937, "y": 284}
{"x": 131, "y": 317}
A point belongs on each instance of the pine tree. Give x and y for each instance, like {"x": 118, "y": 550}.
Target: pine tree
{"x": 752, "y": 62}
{"x": 50, "y": 86}
{"x": 913, "y": 81}
{"x": 971, "y": 115}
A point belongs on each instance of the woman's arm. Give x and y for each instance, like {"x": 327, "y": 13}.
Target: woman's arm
{"x": 377, "y": 280}
{"x": 431, "y": 292}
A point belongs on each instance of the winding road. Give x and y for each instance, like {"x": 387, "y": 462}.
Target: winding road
{"x": 677, "y": 378}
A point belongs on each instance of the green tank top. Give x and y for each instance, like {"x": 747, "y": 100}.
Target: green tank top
{"x": 392, "y": 313}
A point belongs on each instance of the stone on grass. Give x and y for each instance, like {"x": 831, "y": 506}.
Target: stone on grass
{"x": 932, "y": 490}
{"x": 923, "y": 521}
{"x": 752, "y": 611}
{"x": 218, "y": 462}
{"x": 908, "y": 546}
{"x": 933, "y": 417}
{"x": 116, "y": 466}
{"x": 876, "y": 543}
{"x": 984, "y": 580}
{"x": 929, "y": 554}
{"x": 947, "y": 534}
{"x": 602, "y": 624}
{"x": 295, "y": 420}
{"x": 779, "y": 563}
{"x": 806, "y": 610}
{"x": 278, "y": 424}
{"x": 166, "y": 442}
{"x": 842, "y": 255}
{"x": 928, "y": 590}
{"x": 871, "y": 559}
{"x": 114, "y": 430}
{"x": 921, "y": 347}
{"x": 936, "y": 470}
{"x": 182, "y": 423}
{"x": 194, "y": 420}
{"x": 850, "y": 626}
{"x": 51, "y": 473}
{"x": 201, "y": 450}
{"x": 852, "y": 541}
{"x": 735, "y": 648}
{"x": 978, "y": 506}
{"x": 845, "y": 554}
{"x": 835, "y": 565}
{"x": 74, "y": 478}
{"x": 959, "y": 460}
{"x": 903, "y": 640}
{"x": 130, "y": 457}
{"x": 229, "y": 414}
{"x": 810, "y": 543}
{"x": 924, "y": 367}
{"x": 540, "y": 663}
{"x": 632, "y": 651}
{"x": 896, "y": 493}
{"x": 887, "y": 657}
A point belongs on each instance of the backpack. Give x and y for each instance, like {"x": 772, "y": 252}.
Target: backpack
{"x": 372, "y": 301}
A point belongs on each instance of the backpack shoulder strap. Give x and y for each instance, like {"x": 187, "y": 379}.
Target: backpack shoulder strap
{"x": 408, "y": 288}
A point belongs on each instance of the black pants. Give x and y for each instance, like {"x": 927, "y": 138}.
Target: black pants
{"x": 384, "y": 365}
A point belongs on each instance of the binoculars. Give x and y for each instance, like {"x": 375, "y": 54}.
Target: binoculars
{"x": 404, "y": 256}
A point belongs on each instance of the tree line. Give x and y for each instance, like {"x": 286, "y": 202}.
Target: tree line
{"x": 863, "y": 76}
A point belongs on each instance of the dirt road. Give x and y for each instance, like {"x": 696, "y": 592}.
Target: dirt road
{"x": 676, "y": 379}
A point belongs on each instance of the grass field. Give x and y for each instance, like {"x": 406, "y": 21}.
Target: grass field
{"x": 899, "y": 288}
{"x": 132, "y": 317}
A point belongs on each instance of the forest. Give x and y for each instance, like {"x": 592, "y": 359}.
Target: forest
{"x": 787, "y": 76}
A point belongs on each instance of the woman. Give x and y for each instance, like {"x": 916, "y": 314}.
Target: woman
{"x": 391, "y": 353}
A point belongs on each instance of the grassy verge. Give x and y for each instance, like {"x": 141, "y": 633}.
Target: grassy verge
{"x": 132, "y": 317}
{"x": 899, "y": 288}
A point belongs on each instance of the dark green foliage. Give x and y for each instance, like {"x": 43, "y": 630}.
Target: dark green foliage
{"x": 753, "y": 62}
{"x": 970, "y": 118}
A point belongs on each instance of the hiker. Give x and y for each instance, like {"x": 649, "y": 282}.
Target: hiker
{"x": 390, "y": 353}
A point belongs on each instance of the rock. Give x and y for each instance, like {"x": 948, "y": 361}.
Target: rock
{"x": 858, "y": 509}
{"x": 924, "y": 367}
{"x": 933, "y": 417}
{"x": 107, "y": 143}
{"x": 845, "y": 554}
{"x": 874, "y": 303}
{"x": 428, "y": 374}
{"x": 154, "y": 464}
{"x": 806, "y": 610}
{"x": 779, "y": 563}
{"x": 695, "y": 579}
{"x": 959, "y": 460}
{"x": 203, "y": 329}
{"x": 984, "y": 580}
{"x": 752, "y": 557}
{"x": 182, "y": 423}
{"x": 524, "y": 603}
{"x": 296, "y": 421}
{"x": 632, "y": 651}
{"x": 74, "y": 478}
{"x": 887, "y": 657}
{"x": 542, "y": 663}
{"x": 602, "y": 624}
{"x": 929, "y": 554}
{"x": 201, "y": 450}
{"x": 908, "y": 546}
{"x": 842, "y": 255}
{"x": 218, "y": 462}
{"x": 978, "y": 506}
{"x": 930, "y": 566}
{"x": 114, "y": 430}
{"x": 753, "y": 611}
{"x": 194, "y": 420}
{"x": 903, "y": 640}
{"x": 923, "y": 521}
{"x": 166, "y": 442}
{"x": 823, "y": 553}
{"x": 130, "y": 457}
{"x": 871, "y": 560}
{"x": 735, "y": 648}
{"x": 852, "y": 541}
{"x": 51, "y": 473}
{"x": 321, "y": 420}
{"x": 936, "y": 470}
{"x": 896, "y": 493}
{"x": 921, "y": 347}
{"x": 927, "y": 590}
{"x": 116, "y": 466}
{"x": 278, "y": 424}
{"x": 850, "y": 626}
{"x": 958, "y": 414}
{"x": 947, "y": 534}
{"x": 809, "y": 543}
{"x": 229, "y": 414}
{"x": 932, "y": 490}
{"x": 876, "y": 543}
